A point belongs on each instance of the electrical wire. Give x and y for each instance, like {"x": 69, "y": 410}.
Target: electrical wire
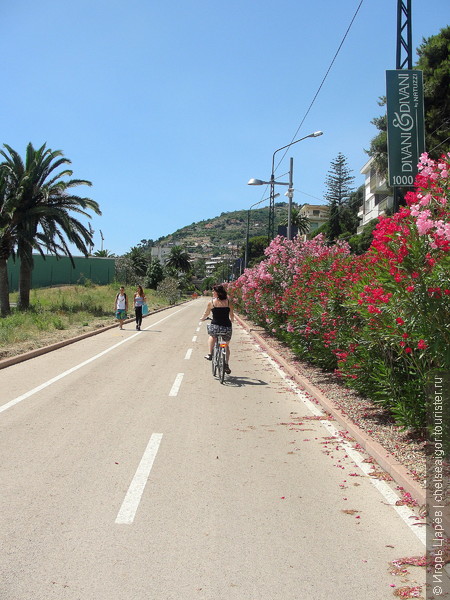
{"x": 318, "y": 90}
{"x": 323, "y": 81}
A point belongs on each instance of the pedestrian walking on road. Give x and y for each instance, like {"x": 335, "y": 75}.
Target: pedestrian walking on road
{"x": 221, "y": 322}
{"x": 121, "y": 306}
{"x": 139, "y": 301}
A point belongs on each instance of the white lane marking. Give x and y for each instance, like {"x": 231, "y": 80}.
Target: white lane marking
{"x": 176, "y": 384}
{"x": 188, "y": 354}
{"x": 73, "y": 369}
{"x": 194, "y": 339}
{"x": 133, "y": 497}
{"x": 387, "y": 492}
{"x": 198, "y": 329}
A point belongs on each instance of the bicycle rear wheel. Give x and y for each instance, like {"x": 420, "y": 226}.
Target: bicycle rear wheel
{"x": 222, "y": 363}
{"x": 215, "y": 357}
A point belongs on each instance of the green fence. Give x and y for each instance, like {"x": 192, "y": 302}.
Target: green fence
{"x": 59, "y": 271}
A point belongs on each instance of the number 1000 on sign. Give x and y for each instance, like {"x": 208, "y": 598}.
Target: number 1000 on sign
{"x": 403, "y": 180}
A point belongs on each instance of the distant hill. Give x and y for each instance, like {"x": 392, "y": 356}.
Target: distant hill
{"x": 213, "y": 237}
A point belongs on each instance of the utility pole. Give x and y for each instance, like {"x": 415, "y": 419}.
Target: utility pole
{"x": 101, "y": 235}
{"x": 91, "y": 233}
{"x": 290, "y": 195}
{"x": 403, "y": 58}
{"x": 404, "y": 35}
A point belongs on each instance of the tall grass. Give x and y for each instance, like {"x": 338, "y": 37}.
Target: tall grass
{"x": 65, "y": 308}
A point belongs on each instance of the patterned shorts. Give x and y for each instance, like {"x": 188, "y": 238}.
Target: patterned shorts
{"x": 121, "y": 314}
{"x": 216, "y": 330}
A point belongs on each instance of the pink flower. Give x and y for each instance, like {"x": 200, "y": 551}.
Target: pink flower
{"x": 425, "y": 200}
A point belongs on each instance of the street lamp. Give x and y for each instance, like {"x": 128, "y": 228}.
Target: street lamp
{"x": 273, "y": 183}
{"x": 248, "y": 228}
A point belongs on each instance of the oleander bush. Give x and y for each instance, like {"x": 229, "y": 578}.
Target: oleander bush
{"x": 380, "y": 320}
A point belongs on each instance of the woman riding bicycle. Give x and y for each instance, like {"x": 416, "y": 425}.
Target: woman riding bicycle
{"x": 221, "y": 322}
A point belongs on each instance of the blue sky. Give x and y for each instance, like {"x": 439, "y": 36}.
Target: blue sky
{"x": 169, "y": 108}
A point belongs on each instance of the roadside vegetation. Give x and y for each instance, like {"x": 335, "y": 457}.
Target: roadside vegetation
{"x": 61, "y": 312}
{"x": 379, "y": 320}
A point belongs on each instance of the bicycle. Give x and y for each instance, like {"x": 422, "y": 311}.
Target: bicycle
{"x": 219, "y": 358}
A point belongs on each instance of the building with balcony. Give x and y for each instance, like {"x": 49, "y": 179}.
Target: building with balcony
{"x": 318, "y": 214}
{"x": 377, "y": 196}
{"x": 212, "y": 263}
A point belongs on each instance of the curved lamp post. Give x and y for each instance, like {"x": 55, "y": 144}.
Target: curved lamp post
{"x": 248, "y": 227}
{"x": 273, "y": 183}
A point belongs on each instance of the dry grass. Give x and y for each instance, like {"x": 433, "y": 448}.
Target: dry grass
{"x": 61, "y": 313}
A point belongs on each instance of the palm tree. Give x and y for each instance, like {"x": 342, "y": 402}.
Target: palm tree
{"x": 140, "y": 262}
{"x": 179, "y": 259}
{"x": 104, "y": 254}
{"x": 7, "y": 240}
{"x": 301, "y": 222}
{"x": 44, "y": 207}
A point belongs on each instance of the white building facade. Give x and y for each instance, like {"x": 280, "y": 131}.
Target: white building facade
{"x": 317, "y": 214}
{"x": 377, "y": 197}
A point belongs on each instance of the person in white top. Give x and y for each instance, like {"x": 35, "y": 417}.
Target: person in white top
{"x": 121, "y": 306}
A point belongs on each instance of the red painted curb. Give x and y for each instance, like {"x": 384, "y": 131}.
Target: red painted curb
{"x": 383, "y": 457}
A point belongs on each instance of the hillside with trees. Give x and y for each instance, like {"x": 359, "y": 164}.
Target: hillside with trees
{"x": 212, "y": 237}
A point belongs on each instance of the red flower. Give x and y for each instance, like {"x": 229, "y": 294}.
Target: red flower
{"x": 373, "y": 309}
{"x": 408, "y": 350}
{"x": 422, "y": 344}
{"x": 400, "y": 321}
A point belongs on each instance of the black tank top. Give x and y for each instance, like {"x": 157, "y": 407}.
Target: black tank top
{"x": 221, "y": 316}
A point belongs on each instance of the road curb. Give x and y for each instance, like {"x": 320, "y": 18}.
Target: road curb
{"x": 387, "y": 461}
{"x": 13, "y": 360}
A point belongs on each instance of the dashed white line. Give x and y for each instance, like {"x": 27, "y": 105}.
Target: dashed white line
{"x": 176, "y": 384}
{"x": 188, "y": 354}
{"x": 194, "y": 339}
{"x": 73, "y": 369}
{"x": 133, "y": 497}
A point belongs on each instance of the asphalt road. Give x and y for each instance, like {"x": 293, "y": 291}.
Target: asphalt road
{"x": 128, "y": 473}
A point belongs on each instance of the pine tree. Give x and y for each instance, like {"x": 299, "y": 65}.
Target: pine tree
{"x": 339, "y": 183}
{"x": 434, "y": 61}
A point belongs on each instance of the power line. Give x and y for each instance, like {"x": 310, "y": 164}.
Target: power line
{"x": 319, "y": 88}
{"x": 323, "y": 81}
